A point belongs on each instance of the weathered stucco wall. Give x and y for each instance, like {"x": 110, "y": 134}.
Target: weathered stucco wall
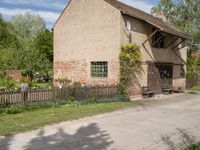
{"x": 139, "y": 32}
{"x": 93, "y": 30}
{"x": 88, "y": 30}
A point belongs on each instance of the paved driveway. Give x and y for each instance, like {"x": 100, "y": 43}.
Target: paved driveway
{"x": 163, "y": 124}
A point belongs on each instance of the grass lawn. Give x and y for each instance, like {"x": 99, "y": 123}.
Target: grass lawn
{"x": 196, "y": 88}
{"x": 10, "y": 124}
{"x": 194, "y": 147}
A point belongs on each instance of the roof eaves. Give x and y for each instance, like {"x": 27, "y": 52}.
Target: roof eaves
{"x": 61, "y": 14}
{"x": 128, "y": 10}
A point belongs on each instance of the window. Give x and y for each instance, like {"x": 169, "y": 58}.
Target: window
{"x": 158, "y": 40}
{"x": 166, "y": 71}
{"x": 128, "y": 25}
{"x": 99, "y": 69}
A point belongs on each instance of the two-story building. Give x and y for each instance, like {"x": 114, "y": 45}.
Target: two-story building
{"x": 88, "y": 37}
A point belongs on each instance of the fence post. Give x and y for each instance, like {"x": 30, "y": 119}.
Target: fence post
{"x": 24, "y": 95}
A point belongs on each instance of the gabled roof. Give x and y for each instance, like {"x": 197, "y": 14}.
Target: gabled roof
{"x": 139, "y": 14}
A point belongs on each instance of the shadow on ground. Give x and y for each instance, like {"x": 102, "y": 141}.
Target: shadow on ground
{"x": 90, "y": 137}
{"x": 86, "y": 138}
{"x": 5, "y": 142}
{"x": 184, "y": 140}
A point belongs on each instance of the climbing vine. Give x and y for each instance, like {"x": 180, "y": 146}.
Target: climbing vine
{"x": 130, "y": 60}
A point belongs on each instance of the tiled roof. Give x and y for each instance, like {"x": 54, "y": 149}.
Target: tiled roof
{"x": 139, "y": 14}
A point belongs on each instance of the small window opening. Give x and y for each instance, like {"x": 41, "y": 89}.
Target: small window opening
{"x": 99, "y": 69}
{"x": 158, "y": 40}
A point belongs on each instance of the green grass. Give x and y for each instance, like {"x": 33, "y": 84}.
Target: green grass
{"x": 194, "y": 147}
{"x": 10, "y": 124}
{"x": 195, "y": 88}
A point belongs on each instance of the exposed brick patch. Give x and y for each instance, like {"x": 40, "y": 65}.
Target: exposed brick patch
{"x": 14, "y": 74}
{"x": 79, "y": 70}
{"x": 74, "y": 70}
{"x": 179, "y": 83}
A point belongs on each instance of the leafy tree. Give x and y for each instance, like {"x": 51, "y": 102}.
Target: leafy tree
{"x": 8, "y": 39}
{"x": 30, "y": 60}
{"x": 28, "y": 25}
{"x": 193, "y": 66}
{"x": 184, "y": 14}
{"x": 26, "y": 56}
{"x": 44, "y": 44}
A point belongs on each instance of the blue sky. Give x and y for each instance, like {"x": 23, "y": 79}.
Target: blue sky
{"x": 51, "y": 9}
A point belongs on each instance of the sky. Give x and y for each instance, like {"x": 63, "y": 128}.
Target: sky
{"x": 51, "y": 9}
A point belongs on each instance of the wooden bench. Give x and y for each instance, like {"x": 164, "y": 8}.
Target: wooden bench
{"x": 146, "y": 92}
{"x": 167, "y": 89}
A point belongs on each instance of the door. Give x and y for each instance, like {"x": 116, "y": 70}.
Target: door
{"x": 154, "y": 80}
{"x": 166, "y": 74}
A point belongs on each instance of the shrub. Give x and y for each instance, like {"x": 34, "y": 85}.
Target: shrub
{"x": 71, "y": 101}
{"x": 14, "y": 110}
{"x": 8, "y": 83}
{"x": 194, "y": 147}
{"x": 130, "y": 61}
{"x": 88, "y": 101}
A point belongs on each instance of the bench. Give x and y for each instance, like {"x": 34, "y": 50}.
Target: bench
{"x": 146, "y": 92}
{"x": 167, "y": 89}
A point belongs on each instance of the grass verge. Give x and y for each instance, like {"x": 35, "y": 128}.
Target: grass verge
{"x": 194, "y": 147}
{"x": 30, "y": 120}
{"x": 195, "y": 88}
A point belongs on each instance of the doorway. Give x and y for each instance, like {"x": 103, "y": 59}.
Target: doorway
{"x": 159, "y": 75}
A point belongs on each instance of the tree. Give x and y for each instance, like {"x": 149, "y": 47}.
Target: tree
{"x": 193, "y": 66}
{"x": 26, "y": 28}
{"x": 8, "y": 39}
{"x": 8, "y": 36}
{"x": 183, "y": 14}
{"x": 28, "y": 25}
{"x": 30, "y": 60}
{"x": 44, "y": 44}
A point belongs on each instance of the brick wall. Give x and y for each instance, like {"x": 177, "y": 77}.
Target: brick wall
{"x": 79, "y": 70}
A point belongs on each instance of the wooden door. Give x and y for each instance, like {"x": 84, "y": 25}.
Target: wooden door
{"x": 166, "y": 73}
{"x": 154, "y": 80}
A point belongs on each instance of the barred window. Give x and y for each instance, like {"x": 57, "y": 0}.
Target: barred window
{"x": 99, "y": 69}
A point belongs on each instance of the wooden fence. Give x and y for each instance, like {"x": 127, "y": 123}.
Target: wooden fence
{"x": 14, "y": 97}
{"x": 194, "y": 81}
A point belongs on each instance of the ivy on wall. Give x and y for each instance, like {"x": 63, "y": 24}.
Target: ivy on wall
{"x": 130, "y": 61}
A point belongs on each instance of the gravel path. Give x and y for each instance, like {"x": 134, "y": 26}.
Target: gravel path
{"x": 161, "y": 124}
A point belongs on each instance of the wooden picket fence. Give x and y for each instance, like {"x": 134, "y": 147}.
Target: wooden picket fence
{"x": 193, "y": 81}
{"x": 13, "y": 97}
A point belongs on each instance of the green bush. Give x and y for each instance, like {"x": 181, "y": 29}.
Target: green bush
{"x": 14, "y": 110}
{"x": 196, "y": 88}
{"x": 194, "y": 147}
{"x": 122, "y": 89}
{"x": 130, "y": 62}
{"x": 8, "y": 83}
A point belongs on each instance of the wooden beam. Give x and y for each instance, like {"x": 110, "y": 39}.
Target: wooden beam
{"x": 150, "y": 36}
{"x": 178, "y": 44}
{"x": 172, "y": 42}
